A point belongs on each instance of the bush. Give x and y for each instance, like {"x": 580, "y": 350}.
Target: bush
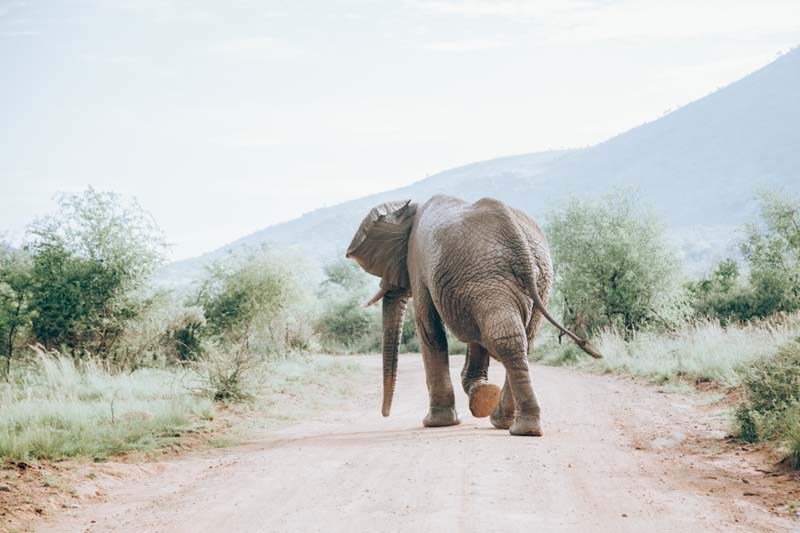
{"x": 343, "y": 324}
{"x": 15, "y": 316}
{"x": 229, "y": 375}
{"x": 242, "y": 297}
{"x": 771, "y": 412}
{"x": 347, "y": 323}
{"x": 722, "y": 295}
{"x": 614, "y": 268}
{"x": 164, "y": 333}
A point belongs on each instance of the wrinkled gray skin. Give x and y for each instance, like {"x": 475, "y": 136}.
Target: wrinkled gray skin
{"x": 484, "y": 270}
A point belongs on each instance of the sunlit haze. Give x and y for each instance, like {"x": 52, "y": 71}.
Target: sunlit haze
{"x": 223, "y": 118}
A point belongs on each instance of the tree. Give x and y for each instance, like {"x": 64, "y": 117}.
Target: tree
{"x": 613, "y": 266}
{"x": 772, "y": 251}
{"x": 88, "y": 262}
{"x": 344, "y": 322}
{"x": 242, "y": 294}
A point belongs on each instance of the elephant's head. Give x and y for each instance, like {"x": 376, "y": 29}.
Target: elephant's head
{"x": 380, "y": 246}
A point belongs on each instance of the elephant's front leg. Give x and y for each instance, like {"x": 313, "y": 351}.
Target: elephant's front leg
{"x": 483, "y": 396}
{"x": 433, "y": 342}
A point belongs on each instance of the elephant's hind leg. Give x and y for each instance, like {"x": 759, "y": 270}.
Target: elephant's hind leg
{"x": 503, "y": 413}
{"x": 433, "y": 341}
{"x": 483, "y": 396}
{"x": 509, "y": 343}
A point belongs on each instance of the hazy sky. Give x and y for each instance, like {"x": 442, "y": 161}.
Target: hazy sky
{"x": 225, "y": 117}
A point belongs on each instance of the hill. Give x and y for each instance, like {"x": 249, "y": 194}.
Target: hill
{"x": 700, "y": 167}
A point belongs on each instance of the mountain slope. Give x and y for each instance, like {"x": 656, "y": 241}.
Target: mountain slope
{"x": 699, "y": 167}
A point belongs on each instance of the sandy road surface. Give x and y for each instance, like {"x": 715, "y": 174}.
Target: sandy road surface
{"x": 613, "y": 458}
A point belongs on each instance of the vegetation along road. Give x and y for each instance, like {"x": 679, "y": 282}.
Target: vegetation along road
{"x": 615, "y": 456}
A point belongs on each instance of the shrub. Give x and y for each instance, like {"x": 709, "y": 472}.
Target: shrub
{"x": 343, "y": 324}
{"x": 228, "y": 375}
{"x": 347, "y": 323}
{"x": 164, "y": 333}
{"x": 771, "y": 412}
{"x": 614, "y": 267}
{"x": 720, "y": 295}
{"x": 15, "y": 315}
{"x": 242, "y": 296}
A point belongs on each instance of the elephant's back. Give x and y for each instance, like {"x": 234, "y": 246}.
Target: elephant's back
{"x": 471, "y": 254}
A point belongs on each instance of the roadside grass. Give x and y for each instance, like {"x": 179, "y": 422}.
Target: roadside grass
{"x": 762, "y": 358}
{"x": 56, "y": 417}
{"x": 697, "y": 352}
{"x": 54, "y": 407}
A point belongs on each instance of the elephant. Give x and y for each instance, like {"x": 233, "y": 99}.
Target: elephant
{"x": 482, "y": 270}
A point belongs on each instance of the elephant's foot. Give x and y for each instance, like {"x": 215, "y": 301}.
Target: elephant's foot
{"x": 500, "y": 419}
{"x": 483, "y": 397}
{"x": 526, "y": 425}
{"x": 440, "y": 417}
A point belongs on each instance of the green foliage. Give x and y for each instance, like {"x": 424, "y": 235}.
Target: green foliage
{"x": 772, "y": 410}
{"x": 722, "y": 295}
{"x": 164, "y": 333}
{"x": 184, "y": 334}
{"x": 772, "y": 250}
{"x": 343, "y": 324}
{"x": 346, "y": 323}
{"x": 614, "y": 267}
{"x": 103, "y": 227}
{"x": 346, "y": 275}
{"x": 88, "y": 262}
{"x": 15, "y": 315}
{"x": 242, "y": 295}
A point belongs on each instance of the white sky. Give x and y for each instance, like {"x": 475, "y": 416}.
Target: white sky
{"x": 223, "y": 118}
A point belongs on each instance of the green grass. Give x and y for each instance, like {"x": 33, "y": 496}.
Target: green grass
{"x": 699, "y": 351}
{"x": 55, "y": 408}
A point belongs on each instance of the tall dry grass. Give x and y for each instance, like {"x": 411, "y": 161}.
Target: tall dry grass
{"x": 703, "y": 350}
{"x": 55, "y": 407}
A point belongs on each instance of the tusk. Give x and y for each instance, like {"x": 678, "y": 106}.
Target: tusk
{"x": 378, "y": 296}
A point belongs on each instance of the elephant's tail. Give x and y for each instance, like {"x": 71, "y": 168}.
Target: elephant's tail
{"x": 529, "y": 281}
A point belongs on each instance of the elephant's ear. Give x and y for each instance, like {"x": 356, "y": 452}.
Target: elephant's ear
{"x": 380, "y": 245}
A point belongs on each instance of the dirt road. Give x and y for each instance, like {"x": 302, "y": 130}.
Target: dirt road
{"x": 615, "y": 456}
